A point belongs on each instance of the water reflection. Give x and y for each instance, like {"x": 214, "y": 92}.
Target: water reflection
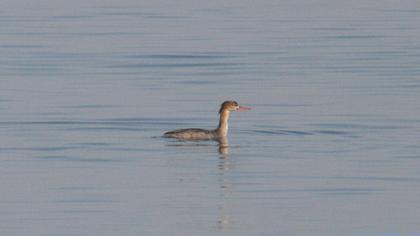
{"x": 225, "y": 165}
{"x": 223, "y": 146}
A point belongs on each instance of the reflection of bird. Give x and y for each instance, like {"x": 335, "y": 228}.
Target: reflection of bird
{"x": 225, "y": 220}
{"x": 223, "y": 146}
{"x": 217, "y": 134}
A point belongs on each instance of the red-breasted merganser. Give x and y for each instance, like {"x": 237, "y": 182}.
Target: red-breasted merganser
{"x": 201, "y": 134}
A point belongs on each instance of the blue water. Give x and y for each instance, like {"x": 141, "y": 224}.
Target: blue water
{"x": 330, "y": 148}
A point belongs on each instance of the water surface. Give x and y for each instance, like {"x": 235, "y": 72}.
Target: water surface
{"x": 331, "y": 147}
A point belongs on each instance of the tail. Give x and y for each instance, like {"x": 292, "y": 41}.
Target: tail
{"x": 168, "y": 134}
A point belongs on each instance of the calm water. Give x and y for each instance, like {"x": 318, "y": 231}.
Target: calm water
{"x": 331, "y": 147}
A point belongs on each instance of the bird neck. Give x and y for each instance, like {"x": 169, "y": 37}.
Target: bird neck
{"x": 223, "y": 127}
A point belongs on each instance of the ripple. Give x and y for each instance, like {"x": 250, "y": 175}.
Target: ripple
{"x": 79, "y": 159}
{"x": 282, "y": 132}
{"x": 334, "y": 132}
{"x": 85, "y": 201}
{"x": 327, "y": 191}
{"x": 360, "y": 126}
{"x": 173, "y": 65}
{"x": 180, "y": 56}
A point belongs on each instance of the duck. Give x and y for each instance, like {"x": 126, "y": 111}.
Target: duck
{"x": 220, "y": 133}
